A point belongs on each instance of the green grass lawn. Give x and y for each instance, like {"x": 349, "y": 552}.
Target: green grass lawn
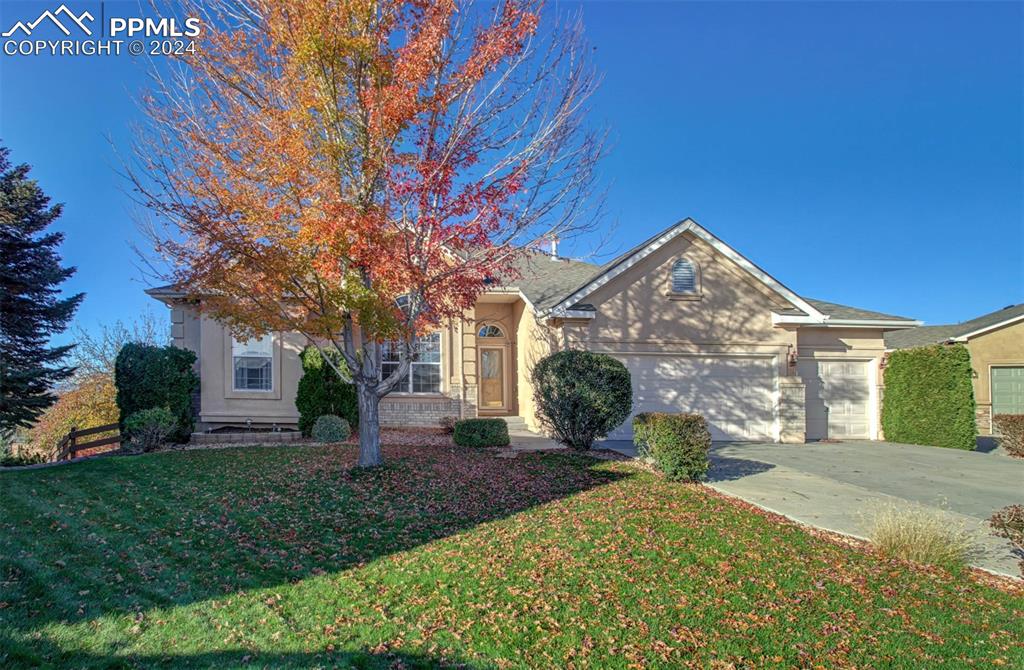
{"x": 286, "y": 557}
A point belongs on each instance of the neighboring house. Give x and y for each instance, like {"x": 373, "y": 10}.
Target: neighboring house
{"x": 699, "y": 326}
{"x": 996, "y": 344}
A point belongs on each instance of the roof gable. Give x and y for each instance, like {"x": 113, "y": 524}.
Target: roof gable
{"x": 617, "y": 267}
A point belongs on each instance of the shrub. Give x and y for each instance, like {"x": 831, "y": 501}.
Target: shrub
{"x": 330, "y": 428}
{"x": 581, "y": 396}
{"x": 678, "y": 444}
{"x": 1009, "y": 523}
{"x": 1010, "y": 433}
{"x": 929, "y": 397}
{"x": 481, "y": 433}
{"x": 147, "y": 429}
{"x": 920, "y": 534}
{"x": 321, "y": 391}
{"x": 148, "y": 376}
{"x": 447, "y": 424}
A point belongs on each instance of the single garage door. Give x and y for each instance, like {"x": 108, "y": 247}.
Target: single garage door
{"x": 838, "y": 399}
{"x": 1008, "y": 390}
{"x": 736, "y": 394}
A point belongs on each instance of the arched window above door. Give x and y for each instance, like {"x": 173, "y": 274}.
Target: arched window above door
{"x": 490, "y": 330}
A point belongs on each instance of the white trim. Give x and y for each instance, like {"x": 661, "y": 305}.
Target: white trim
{"x": 689, "y": 225}
{"x": 782, "y": 320}
{"x": 973, "y": 333}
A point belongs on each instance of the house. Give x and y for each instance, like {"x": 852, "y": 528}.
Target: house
{"x": 996, "y": 344}
{"x": 700, "y": 327}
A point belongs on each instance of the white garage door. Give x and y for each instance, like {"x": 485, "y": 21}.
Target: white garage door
{"x": 838, "y": 399}
{"x": 735, "y": 394}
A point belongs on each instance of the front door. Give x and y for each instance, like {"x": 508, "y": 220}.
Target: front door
{"x": 492, "y": 378}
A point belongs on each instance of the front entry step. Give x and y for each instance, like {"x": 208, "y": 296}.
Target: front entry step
{"x": 514, "y": 422}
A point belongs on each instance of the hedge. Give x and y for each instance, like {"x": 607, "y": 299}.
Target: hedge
{"x": 677, "y": 443}
{"x": 148, "y": 376}
{"x": 481, "y": 433}
{"x": 581, "y": 396}
{"x": 322, "y": 392}
{"x": 929, "y": 398}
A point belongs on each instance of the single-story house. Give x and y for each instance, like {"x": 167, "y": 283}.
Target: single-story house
{"x": 700, "y": 327}
{"x": 996, "y": 344}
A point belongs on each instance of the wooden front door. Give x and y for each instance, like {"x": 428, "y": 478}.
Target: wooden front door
{"x": 492, "y": 378}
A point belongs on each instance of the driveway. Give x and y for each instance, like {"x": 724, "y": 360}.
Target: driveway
{"x": 836, "y": 486}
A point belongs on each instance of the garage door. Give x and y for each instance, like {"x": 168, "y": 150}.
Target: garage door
{"x": 735, "y": 394}
{"x": 838, "y": 399}
{"x": 1008, "y": 390}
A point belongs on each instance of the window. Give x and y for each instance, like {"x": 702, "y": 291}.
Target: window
{"x": 684, "y": 277}
{"x": 253, "y": 364}
{"x": 424, "y": 374}
{"x": 490, "y": 331}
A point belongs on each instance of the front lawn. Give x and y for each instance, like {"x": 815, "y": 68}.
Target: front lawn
{"x": 285, "y": 557}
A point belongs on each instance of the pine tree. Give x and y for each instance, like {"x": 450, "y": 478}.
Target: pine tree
{"x": 31, "y": 307}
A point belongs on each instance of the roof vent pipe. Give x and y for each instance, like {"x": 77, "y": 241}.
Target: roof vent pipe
{"x": 554, "y": 248}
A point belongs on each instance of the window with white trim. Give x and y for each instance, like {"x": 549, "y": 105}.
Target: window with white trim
{"x": 684, "y": 277}
{"x": 253, "y": 364}
{"x": 424, "y": 375}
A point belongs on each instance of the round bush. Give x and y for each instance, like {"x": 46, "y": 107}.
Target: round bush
{"x": 147, "y": 429}
{"x": 677, "y": 443}
{"x": 480, "y": 433}
{"x": 331, "y": 428}
{"x": 581, "y": 396}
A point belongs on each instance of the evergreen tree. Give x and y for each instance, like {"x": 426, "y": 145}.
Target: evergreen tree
{"x": 31, "y": 307}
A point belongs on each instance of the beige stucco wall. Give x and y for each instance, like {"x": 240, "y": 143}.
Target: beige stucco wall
{"x": 1004, "y": 346}
{"x": 635, "y": 312}
{"x": 533, "y": 342}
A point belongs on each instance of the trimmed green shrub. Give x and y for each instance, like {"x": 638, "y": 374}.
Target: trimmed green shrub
{"x": 581, "y": 396}
{"x": 1009, "y": 429}
{"x": 321, "y": 391}
{"x": 481, "y": 433}
{"x": 677, "y": 443}
{"x": 148, "y": 376}
{"x": 330, "y": 428}
{"x": 929, "y": 398}
{"x": 147, "y": 429}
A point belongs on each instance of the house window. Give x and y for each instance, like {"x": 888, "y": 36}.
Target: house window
{"x": 253, "y": 362}
{"x": 424, "y": 374}
{"x": 684, "y": 277}
{"x": 490, "y": 331}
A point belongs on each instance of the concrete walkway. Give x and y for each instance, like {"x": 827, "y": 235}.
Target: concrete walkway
{"x": 838, "y": 486}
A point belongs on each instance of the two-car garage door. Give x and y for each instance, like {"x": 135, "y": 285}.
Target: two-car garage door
{"x": 736, "y": 394}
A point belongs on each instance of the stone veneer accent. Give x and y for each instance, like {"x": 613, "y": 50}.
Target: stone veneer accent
{"x": 792, "y": 410}
{"x": 426, "y": 411}
{"x": 983, "y": 419}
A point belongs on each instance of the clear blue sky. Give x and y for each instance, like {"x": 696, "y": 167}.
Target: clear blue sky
{"x": 865, "y": 153}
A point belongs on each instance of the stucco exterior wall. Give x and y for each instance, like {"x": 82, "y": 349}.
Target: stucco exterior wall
{"x": 731, "y": 312}
{"x": 1004, "y": 346}
{"x": 533, "y": 342}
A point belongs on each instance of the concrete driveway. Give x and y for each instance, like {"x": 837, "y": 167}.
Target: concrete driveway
{"x": 836, "y": 486}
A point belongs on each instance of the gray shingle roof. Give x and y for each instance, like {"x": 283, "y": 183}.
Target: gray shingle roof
{"x": 846, "y": 312}
{"x": 546, "y": 281}
{"x": 925, "y": 335}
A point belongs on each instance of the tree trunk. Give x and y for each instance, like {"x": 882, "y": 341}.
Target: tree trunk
{"x": 369, "y": 426}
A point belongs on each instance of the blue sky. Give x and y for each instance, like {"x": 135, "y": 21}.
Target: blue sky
{"x": 865, "y": 153}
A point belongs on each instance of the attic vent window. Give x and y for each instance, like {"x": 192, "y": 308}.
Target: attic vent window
{"x": 684, "y": 277}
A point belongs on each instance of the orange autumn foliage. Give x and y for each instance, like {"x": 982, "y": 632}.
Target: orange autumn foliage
{"x": 361, "y": 171}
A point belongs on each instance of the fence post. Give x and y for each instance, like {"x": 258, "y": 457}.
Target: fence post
{"x": 71, "y": 442}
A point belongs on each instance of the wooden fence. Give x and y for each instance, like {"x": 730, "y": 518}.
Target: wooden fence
{"x": 70, "y": 445}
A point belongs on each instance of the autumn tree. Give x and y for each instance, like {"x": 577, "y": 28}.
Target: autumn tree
{"x": 360, "y": 171}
